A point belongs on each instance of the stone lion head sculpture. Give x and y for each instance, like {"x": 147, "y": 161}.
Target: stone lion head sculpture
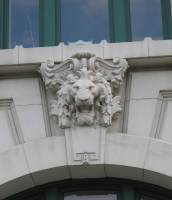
{"x": 84, "y": 101}
{"x": 82, "y": 94}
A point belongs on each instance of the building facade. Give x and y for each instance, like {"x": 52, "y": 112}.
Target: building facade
{"x": 88, "y": 119}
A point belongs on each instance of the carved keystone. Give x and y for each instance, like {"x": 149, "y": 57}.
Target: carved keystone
{"x": 84, "y": 89}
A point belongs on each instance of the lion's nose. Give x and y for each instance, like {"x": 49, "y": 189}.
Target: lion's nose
{"x": 83, "y": 95}
{"x": 83, "y": 98}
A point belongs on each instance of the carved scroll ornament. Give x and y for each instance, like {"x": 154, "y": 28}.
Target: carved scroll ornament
{"x": 84, "y": 89}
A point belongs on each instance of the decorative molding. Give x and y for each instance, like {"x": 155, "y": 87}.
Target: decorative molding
{"x": 9, "y": 107}
{"x": 85, "y": 145}
{"x": 163, "y": 98}
{"x": 127, "y": 102}
{"x": 45, "y": 109}
{"x": 84, "y": 90}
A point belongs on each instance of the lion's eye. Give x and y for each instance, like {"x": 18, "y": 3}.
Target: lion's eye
{"x": 76, "y": 87}
{"x": 91, "y": 87}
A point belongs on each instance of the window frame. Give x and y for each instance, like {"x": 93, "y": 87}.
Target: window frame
{"x": 4, "y": 24}
{"x": 166, "y": 19}
{"x": 119, "y": 20}
{"x": 49, "y": 33}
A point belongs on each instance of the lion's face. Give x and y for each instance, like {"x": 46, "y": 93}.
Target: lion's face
{"x": 84, "y": 92}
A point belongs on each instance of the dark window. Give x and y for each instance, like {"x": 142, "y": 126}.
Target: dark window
{"x": 84, "y": 20}
{"x": 146, "y": 20}
{"x": 24, "y": 23}
{"x": 147, "y": 198}
{"x": 90, "y": 195}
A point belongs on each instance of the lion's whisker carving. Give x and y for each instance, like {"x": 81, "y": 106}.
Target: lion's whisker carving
{"x": 84, "y": 90}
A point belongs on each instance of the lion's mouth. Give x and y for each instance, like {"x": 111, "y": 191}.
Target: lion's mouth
{"x": 84, "y": 105}
{"x": 85, "y": 115}
{"x": 84, "y": 108}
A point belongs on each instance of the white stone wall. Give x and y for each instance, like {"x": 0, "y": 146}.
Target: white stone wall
{"x": 138, "y": 146}
{"x": 23, "y": 120}
{"x": 147, "y": 114}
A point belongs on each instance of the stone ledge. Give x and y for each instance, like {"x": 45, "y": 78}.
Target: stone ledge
{"x": 146, "y": 52}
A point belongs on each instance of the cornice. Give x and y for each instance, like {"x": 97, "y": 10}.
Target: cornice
{"x": 146, "y": 53}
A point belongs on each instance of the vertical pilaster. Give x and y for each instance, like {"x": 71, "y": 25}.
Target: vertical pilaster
{"x": 166, "y": 18}
{"x": 119, "y": 17}
{"x": 49, "y": 20}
